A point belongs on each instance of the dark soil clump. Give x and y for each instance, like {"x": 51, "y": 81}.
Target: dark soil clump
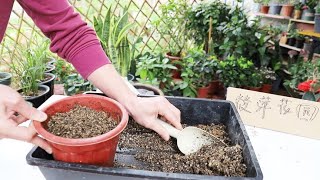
{"x": 81, "y": 122}
{"x": 157, "y": 155}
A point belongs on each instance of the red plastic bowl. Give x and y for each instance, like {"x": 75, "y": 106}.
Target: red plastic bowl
{"x": 99, "y": 150}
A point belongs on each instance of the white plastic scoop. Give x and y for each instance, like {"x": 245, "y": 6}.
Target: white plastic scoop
{"x": 190, "y": 139}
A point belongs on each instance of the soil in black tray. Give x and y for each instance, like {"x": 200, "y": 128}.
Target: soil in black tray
{"x": 81, "y": 122}
{"x": 156, "y": 154}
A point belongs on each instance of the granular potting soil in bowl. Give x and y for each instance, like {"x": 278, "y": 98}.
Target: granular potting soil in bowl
{"x": 81, "y": 122}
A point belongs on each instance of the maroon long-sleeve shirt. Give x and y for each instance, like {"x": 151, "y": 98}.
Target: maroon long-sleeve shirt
{"x": 70, "y": 37}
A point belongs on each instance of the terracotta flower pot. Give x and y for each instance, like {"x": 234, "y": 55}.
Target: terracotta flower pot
{"x": 176, "y": 73}
{"x": 266, "y": 88}
{"x": 258, "y": 89}
{"x": 297, "y": 14}
{"x": 287, "y": 10}
{"x": 203, "y": 92}
{"x": 99, "y": 150}
{"x": 214, "y": 87}
{"x": 264, "y": 9}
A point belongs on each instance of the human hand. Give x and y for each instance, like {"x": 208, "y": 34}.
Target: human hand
{"x": 11, "y": 103}
{"x": 145, "y": 111}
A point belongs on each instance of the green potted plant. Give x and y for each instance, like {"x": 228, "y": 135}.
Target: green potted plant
{"x": 171, "y": 26}
{"x": 268, "y": 76}
{"x": 264, "y": 6}
{"x": 155, "y": 70}
{"x": 298, "y": 10}
{"x": 299, "y": 40}
{"x": 198, "y": 23}
{"x": 292, "y": 35}
{"x": 5, "y": 78}
{"x": 309, "y": 10}
{"x": 27, "y": 64}
{"x": 75, "y": 84}
{"x": 300, "y": 71}
{"x": 287, "y": 8}
{"x": 234, "y": 72}
{"x": 275, "y": 7}
{"x": 311, "y": 88}
{"x": 113, "y": 32}
{"x": 255, "y": 80}
{"x": 204, "y": 69}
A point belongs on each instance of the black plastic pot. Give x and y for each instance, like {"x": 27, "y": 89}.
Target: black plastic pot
{"x": 299, "y": 43}
{"x": 193, "y": 111}
{"x": 291, "y": 41}
{"x": 49, "y": 83}
{"x": 5, "y": 78}
{"x": 38, "y": 100}
{"x": 50, "y": 68}
{"x": 275, "y": 9}
{"x": 317, "y": 23}
{"x": 308, "y": 14}
{"x": 143, "y": 88}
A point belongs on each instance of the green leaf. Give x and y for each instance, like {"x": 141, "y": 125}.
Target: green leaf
{"x": 309, "y": 96}
{"x": 106, "y": 25}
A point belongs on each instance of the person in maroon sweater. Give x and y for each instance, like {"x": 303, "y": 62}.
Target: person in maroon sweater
{"x": 72, "y": 39}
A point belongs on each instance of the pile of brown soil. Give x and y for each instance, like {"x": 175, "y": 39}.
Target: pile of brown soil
{"x": 159, "y": 155}
{"x": 81, "y": 122}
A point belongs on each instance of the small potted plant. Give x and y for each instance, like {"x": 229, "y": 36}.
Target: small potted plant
{"x": 299, "y": 40}
{"x": 83, "y": 129}
{"x": 5, "y": 78}
{"x": 311, "y": 89}
{"x": 28, "y": 67}
{"x": 269, "y": 76}
{"x": 297, "y": 10}
{"x": 116, "y": 44}
{"x": 275, "y": 7}
{"x": 204, "y": 68}
{"x": 198, "y": 70}
{"x": 264, "y": 6}
{"x": 255, "y": 80}
{"x": 287, "y": 8}
{"x": 171, "y": 26}
{"x": 235, "y": 72}
{"x": 154, "y": 70}
{"x": 309, "y": 10}
{"x": 292, "y": 35}
{"x": 300, "y": 72}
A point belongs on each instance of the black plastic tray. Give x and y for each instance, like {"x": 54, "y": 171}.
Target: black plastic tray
{"x": 193, "y": 111}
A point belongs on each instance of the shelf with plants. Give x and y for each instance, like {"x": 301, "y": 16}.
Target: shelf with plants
{"x": 309, "y": 33}
{"x": 273, "y": 16}
{"x": 290, "y": 47}
{"x": 302, "y": 21}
